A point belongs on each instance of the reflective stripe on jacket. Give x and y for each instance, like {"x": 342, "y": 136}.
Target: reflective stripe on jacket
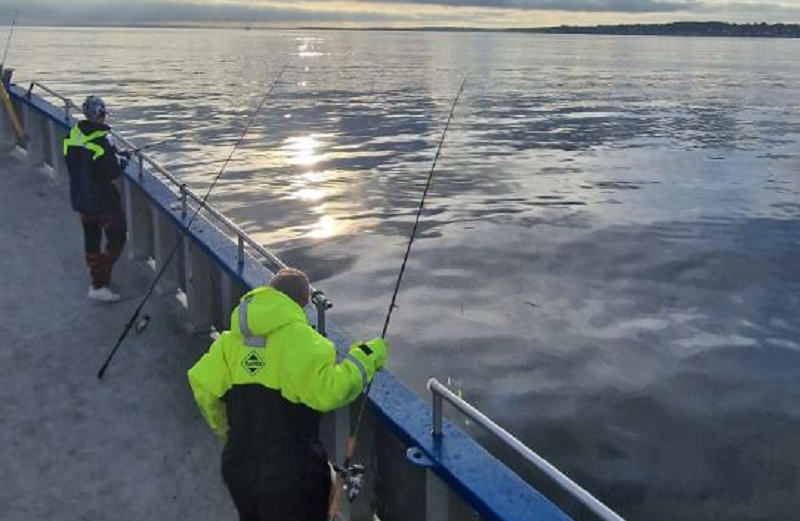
{"x": 79, "y": 139}
{"x": 272, "y": 374}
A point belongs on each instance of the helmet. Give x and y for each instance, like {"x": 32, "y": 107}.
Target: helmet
{"x": 94, "y": 108}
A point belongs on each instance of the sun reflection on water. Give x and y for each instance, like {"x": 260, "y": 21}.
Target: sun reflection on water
{"x": 314, "y": 187}
{"x": 302, "y": 150}
{"x": 327, "y": 226}
{"x": 307, "y": 47}
{"x": 310, "y": 194}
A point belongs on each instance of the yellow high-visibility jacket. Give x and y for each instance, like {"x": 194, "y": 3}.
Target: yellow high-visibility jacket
{"x": 272, "y": 375}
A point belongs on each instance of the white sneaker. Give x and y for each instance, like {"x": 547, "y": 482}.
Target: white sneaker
{"x": 103, "y": 294}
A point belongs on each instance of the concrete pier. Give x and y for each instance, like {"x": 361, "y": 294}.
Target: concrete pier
{"x": 130, "y": 447}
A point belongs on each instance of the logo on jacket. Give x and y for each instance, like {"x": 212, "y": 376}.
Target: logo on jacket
{"x": 252, "y": 363}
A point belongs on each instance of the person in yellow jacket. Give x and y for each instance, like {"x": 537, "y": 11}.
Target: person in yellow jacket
{"x": 263, "y": 386}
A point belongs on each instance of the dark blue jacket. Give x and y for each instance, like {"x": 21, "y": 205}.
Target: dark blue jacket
{"x": 91, "y": 190}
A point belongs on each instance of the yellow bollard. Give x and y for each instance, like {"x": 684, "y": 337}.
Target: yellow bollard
{"x": 12, "y": 114}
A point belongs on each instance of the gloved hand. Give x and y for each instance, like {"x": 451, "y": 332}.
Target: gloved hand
{"x": 377, "y": 349}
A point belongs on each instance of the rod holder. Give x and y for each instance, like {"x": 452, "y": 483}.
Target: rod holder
{"x": 321, "y": 325}
{"x": 184, "y": 202}
{"x": 322, "y": 304}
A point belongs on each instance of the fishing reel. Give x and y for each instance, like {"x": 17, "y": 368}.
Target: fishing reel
{"x": 353, "y": 477}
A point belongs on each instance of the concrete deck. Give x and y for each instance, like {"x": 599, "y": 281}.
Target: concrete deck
{"x": 130, "y": 447}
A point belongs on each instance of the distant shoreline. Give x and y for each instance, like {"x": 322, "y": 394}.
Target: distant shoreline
{"x": 707, "y": 29}
{"x": 691, "y": 29}
{"x": 685, "y": 29}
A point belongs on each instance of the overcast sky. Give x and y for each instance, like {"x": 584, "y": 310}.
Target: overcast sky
{"x": 488, "y": 13}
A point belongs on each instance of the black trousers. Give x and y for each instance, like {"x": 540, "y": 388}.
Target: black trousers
{"x": 279, "y": 487}
{"x": 101, "y": 261}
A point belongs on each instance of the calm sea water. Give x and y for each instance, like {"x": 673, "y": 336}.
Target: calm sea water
{"x": 609, "y": 259}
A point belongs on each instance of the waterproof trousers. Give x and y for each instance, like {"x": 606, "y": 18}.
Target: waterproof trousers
{"x": 276, "y": 486}
{"x": 101, "y": 261}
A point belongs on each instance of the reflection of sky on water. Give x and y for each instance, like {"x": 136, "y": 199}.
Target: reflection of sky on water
{"x": 607, "y": 262}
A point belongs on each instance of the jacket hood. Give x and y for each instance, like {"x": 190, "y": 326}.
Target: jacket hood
{"x": 268, "y": 310}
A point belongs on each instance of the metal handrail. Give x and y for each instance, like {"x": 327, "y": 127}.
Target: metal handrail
{"x": 318, "y": 298}
{"x": 440, "y": 392}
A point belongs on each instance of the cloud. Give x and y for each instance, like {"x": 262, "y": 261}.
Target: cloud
{"x": 417, "y": 12}
{"x": 589, "y": 6}
{"x": 97, "y": 12}
{"x": 747, "y": 7}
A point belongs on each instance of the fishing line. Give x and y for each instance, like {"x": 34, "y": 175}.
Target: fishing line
{"x": 156, "y": 144}
{"x": 135, "y": 315}
{"x": 131, "y": 151}
{"x": 351, "y": 474}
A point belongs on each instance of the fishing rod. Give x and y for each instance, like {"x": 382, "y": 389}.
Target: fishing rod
{"x": 133, "y": 151}
{"x": 156, "y": 144}
{"x": 10, "y": 34}
{"x": 350, "y": 476}
{"x": 135, "y": 316}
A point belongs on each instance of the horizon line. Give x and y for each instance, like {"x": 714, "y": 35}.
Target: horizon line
{"x": 346, "y": 27}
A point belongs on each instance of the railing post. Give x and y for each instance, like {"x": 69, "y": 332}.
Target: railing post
{"x": 165, "y": 239}
{"x": 199, "y": 295}
{"x": 322, "y": 325}
{"x": 436, "y": 413}
{"x": 47, "y": 139}
{"x": 322, "y": 304}
{"x": 437, "y": 495}
{"x": 34, "y": 130}
{"x": 137, "y": 214}
{"x": 57, "y": 137}
{"x": 232, "y": 291}
{"x": 184, "y": 202}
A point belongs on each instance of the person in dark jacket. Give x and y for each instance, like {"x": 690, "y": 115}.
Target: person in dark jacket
{"x": 93, "y": 164}
{"x": 263, "y": 387}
